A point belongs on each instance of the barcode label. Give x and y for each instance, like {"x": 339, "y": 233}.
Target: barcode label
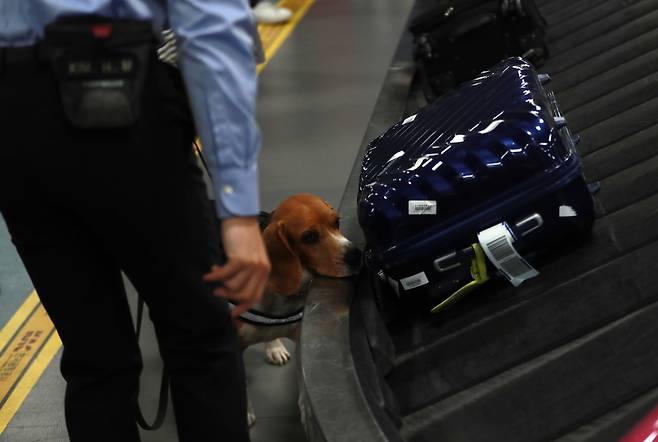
{"x": 516, "y": 267}
{"x": 500, "y": 248}
{"x": 422, "y": 207}
{"x": 413, "y": 281}
{"x": 498, "y": 244}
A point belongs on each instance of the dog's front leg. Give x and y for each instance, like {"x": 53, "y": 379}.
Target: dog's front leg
{"x": 276, "y": 353}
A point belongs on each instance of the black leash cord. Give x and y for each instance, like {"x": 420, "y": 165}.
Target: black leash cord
{"x": 164, "y": 384}
{"x": 200, "y": 155}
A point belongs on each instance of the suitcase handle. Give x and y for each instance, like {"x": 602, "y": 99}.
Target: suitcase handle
{"x": 529, "y": 224}
{"x": 454, "y": 259}
{"x": 472, "y": 24}
{"x": 447, "y": 262}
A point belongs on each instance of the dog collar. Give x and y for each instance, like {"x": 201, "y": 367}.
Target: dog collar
{"x": 255, "y": 317}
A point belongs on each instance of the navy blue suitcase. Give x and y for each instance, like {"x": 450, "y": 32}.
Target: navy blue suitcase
{"x": 488, "y": 170}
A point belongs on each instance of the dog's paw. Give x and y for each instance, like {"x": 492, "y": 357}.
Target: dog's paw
{"x": 276, "y": 353}
{"x": 251, "y": 418}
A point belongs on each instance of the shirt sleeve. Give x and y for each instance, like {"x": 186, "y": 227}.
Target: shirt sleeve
{"x": 215, "y": 54}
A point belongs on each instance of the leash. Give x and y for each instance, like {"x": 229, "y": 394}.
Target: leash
{"x": 168, "y": 53}
{"x": 251, "y": 317}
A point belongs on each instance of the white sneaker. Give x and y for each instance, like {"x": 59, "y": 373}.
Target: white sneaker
{"x": 266, "y": 12}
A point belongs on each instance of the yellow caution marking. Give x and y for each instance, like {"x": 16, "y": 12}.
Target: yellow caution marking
{"x": 29, "y": 379}
{"x": 28, "y": 342}
{"x": 273, "y": 36}
{"x": 17, "y": 320}
{"x": 22, "y": 360}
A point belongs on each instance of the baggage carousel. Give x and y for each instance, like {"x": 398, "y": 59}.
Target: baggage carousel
{"x": 571, "y": 355}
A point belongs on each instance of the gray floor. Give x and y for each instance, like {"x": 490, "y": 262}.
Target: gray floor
{"x": 315, "y": 100}
{"x": 317, "y": 95}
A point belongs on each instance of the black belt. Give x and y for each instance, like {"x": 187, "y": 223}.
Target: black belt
{"x": 22, "y": 54}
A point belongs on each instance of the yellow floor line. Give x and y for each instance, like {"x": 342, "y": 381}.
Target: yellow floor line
{"x": 18, "y": 319}
{"x": 24, "y": 355}
{"x": 22, "y": 349}
{"x": 29, "y": 380}
{"x": 273, "y": 36}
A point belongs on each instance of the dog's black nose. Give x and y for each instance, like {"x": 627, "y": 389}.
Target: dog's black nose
{"x": 353, "y": 257}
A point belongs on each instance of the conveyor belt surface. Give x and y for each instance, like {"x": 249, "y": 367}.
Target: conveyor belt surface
{"x": 571, "y": 355}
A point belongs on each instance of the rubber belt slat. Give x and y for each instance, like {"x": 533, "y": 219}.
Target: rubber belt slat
{"x": 561, "y": 43}
{"x": 607, "y": 82}
{"x": 516, "y": 342}
{"x": 613, "y": 103}
{"x": 514, "y": 395}
{"x": 640, "y": 28}
{"x": 551, "y": 7}
{"x": 625, "y": 153}
{"x": 619, "y": 127}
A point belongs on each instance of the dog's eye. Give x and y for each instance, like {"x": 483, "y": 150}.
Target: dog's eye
{"x": 310, "y": 237}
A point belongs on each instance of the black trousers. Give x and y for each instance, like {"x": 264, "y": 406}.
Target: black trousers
{"x": 81, "y": 207}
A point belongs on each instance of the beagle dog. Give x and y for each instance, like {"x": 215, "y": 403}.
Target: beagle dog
{"x": 303, "y": 239}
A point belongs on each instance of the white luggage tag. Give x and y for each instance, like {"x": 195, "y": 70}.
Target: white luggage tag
{"x": 498, "y": 244}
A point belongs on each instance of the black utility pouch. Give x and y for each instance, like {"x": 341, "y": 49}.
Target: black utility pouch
{"x": 101, "y": 66}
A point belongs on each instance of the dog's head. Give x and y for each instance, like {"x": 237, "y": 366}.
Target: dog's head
{"x": 304, "y": 233}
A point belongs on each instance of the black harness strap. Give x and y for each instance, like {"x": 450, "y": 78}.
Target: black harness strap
{"x": 254, "y": 317}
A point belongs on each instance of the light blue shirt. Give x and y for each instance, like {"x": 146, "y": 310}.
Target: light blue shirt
{"x": 215, "y": 53}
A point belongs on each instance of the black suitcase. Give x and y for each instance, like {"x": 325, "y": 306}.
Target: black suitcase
{"x": 454, "y": 40}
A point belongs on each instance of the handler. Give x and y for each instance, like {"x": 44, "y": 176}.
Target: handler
{"x": 98, "y": 176}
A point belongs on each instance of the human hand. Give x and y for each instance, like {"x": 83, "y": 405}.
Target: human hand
{"x": 245, "y": 273}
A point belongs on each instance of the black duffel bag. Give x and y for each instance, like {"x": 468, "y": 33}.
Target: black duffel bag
{"x": 454, "y": 40}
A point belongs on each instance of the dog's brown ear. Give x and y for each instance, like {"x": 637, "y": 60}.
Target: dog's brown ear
{"x": 286, "y": 275}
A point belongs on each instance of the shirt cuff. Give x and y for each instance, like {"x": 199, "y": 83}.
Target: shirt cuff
{"x": 236, "y": 192}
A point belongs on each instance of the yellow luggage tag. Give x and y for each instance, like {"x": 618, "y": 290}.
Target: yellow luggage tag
{"x": 479, "y": 275}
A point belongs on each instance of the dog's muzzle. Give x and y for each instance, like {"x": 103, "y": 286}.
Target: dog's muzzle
{"x": 352, "y": 258}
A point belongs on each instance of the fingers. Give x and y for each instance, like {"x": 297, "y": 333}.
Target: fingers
{"x": 242, "y": 283}
{"x": 219, "y": 274}
{"x": 237, "y": 284}
{"x": 249, "y": 295}
{"x": 244, "y": 277}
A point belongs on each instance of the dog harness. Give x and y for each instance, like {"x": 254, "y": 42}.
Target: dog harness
{"x": 254, "y": 317}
